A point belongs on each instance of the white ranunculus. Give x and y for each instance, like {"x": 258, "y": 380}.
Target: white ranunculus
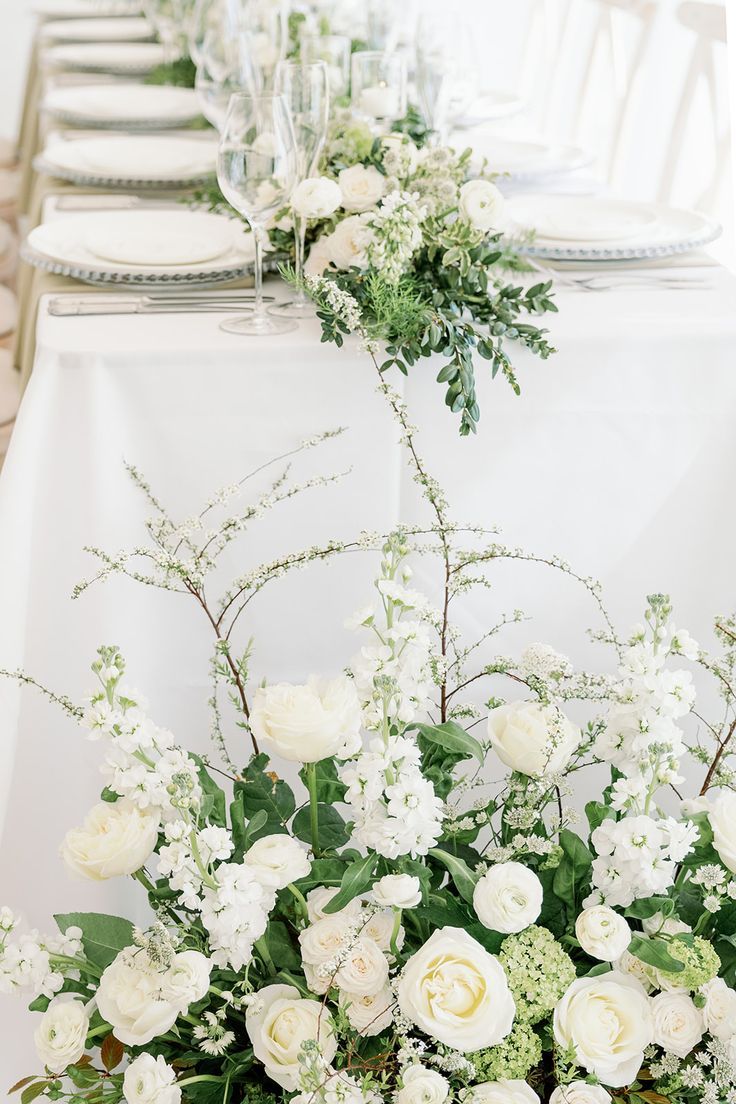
{"x": 719, "y": 1010}
{"x": 722, "y": 819}
{"x": 664, "y": 925}
{"x": 420, "y": 1085}
{"x": 580, "y": 1092}
{"x": 678, "y": 1024}
{"x": 368, "y": 1013}
{"x": 316, "y": 197}
{"x": 319, "y": 898}
{"x": 187, "y": 979}
{"x": 481, "y": 203}
{"x": 508, "y": 898}
{"x": 116, "y": 839}
{"x": 61, "y": 1034}
{"x": 150, "y": 1080}
{"x": 277, "y": 860}
{"x": 609, "y": 1021}
{"x": 402, "y": 891}
{"x": 602, "y": 933}
{"x": 319, "y": 257}
{"x": 346, "y": 245}
{"x": 364, "y": 969}
{"x": 503, "y": 1092}
{"x": 128, "y": 997}
{"x": 306, "y": 723}
{"x": 323, "y": 939}
{"x": 532, "y": 739}
{"x": 279, "y": 1021}
{"x": 457, "y": 992}
{"x": 361, "y": 186}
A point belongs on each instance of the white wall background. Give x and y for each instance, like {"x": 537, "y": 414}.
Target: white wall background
{"x": 16, "y": 29}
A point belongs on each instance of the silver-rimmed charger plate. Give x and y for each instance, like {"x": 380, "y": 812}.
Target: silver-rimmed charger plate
{"x": 130, "y": 107}
{"x": 123, "y": 59}
{"x": 118, "y": 184}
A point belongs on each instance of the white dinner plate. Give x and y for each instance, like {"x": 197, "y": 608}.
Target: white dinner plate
{"x": 584, "y": 228}
{"x": 98, "y": 30}
{"x": 143, "y": 247}
{"x": 123, "y": 106}
{"x": 493, "y": 104}
{"x": 85, "y": 9}
{"x": 130, "y": 161}
{"x": 134, "y": 58}
{"x": 529, "y": 161}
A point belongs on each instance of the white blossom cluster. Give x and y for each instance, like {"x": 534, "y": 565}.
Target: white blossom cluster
{"x": 393, "y": 233}
{"x": 28, "y": 960}
{"x": 637, "y": 857}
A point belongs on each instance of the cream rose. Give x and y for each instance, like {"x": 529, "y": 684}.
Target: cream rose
{"x": 457, "y": 992}
{"x": 508, "y": 898}
{"x": 379, "y": 926}
{"x": 128, "y": 997}
{"x": 722, "y": 819}
{"x": 402, "y": 891}
{"x": 316, "y": 197}
{"x": 187, "y": 979}
{"x": 306, "y": 723}
{"x": 323, "y": 939}
{"x": 361, "y": 186}
{"x": 609, "y": 1021}
{"x": 61, "y": 1034}
{"x": 719, "y": 1010}
{"x": 368, "y": 1013}
{"x": 420, "y": 1085}
{"x": 364, "y": 969}
{"x": 319, "y": 898}
{"x": 319, "y": 257}
{"x": 532, "y": 739}
{"x": 116, "y": 839}
{"x": 150, "y": 1080}
{"x": 277, "y": 860}
{"x": 580, "y": 1092}
{"x": 346, "y": 245}
{"x": 503, "y": 1092}
{"x": 602, "y": 933}
{"x": 481, "y": 204}
{"x": 278, "y": 1022}
{"x": 678, "y": 1024}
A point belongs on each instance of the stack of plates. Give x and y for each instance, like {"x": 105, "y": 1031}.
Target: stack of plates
{"x": 98, "y": 30}
{"x": 117, "y": 58}
{"x": 145, "y": 248}
{"x": 85, "y": 9}
{"x": 123, "y": 106}
{"x": 131, "y": 161}
{"x": 572, "y": 228}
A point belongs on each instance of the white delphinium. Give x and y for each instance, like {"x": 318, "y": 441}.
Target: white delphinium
{"x": 637, "y": 857}
{"x": 393, "y": 234}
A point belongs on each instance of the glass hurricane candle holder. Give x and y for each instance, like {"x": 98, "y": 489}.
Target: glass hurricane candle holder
{"x": 378, "y": 83}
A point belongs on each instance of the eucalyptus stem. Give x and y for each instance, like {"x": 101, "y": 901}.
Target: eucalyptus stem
{"x": 313, "y": 808}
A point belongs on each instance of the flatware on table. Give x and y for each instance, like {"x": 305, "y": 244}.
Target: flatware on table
{"x": 68, "y": 306}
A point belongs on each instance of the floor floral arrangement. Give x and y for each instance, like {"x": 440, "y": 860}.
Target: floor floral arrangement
{"x": 395, "y": 925}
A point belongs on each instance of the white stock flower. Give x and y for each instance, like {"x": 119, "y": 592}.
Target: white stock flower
{"x": 150, "y": 1080}
{"x": 368, "y": 1013}
{"x": 364, "y": 969}
{"x": 319, "y": 898}
{"x": 402, "y": 891}
{"x": 719, "y": 1010}
{"x": 129, "y": 997}
{"x": 503, "y": 1092}
{"x": 609, "y": 1021}
{"x": 481, "y": 204}
{"x": 277, "y": 860}
{"x": 61, "y": 1034}
{"x": 316, "y": 197}
{"x": 508, "y": 898}
{"x": 678, "y": 1024}
{"x": 532, "y": 739}
{"x": 306, "y": 723}
{"x": 457, "y": 992}
{"x": 722, "y": 819}
{"x": 346, "y": 246}
{"x": 602, "y": 933}
{"x": 361, "y": 186}
{"x": 420, "y": 1085}
{"x": 580, "y": 1092}
{"x": 278, "y": 1022}
{"x": 117, "y": 838}
{"x": 187, "y": 979}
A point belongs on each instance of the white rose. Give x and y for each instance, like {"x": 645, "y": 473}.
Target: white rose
{"x": 128, "y": 998}
{"x": 508, "y": 898}
{"x": 532, "y": 739}
{"x": 609, "y": 1021}
{"x": 457, "y": 992}
{"x": 346, "y": 244}
{"x": 316, "y": 197}
{"x": 325, "y": 938}
{"x": 678, "y": 1024}
{"x": 722, "y": 819}
{"x": 368, "y": 1013}
{"x": 580, "y": 1092}
{"x": 481, "y": 203}
{"x": 277, "y": 860}
{"x": 361, "y": 186}
{"x": 279, "y": 1022}
{"x": 364, "y": 969}
{"x": 664, "y": 925}
{"x": 117, "y": 838}
{"x": 379, "y": 926}
{"x": 719, "y": 1010}
{"x": 187, "y": 979}
{"x": 503, "y": 1092}
{"x": 319, "y": 898}
{"x": 62, "y": 1032}
{"x": 602, "y": 933}
{"x": 420, "y": 1085}
{"x": 150, "y": 1080}
{"x": 319, "y": 257}
{"x": 401, "y": 891}
{"x": 306, "y": 723}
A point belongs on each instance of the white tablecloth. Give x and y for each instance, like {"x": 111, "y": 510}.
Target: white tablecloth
{"x": 619, "y": 455}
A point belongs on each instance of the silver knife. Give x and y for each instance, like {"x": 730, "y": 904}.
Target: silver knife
{"x": 75, "y": 308}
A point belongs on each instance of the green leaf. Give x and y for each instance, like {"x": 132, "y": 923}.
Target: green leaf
{"x": 103, "y": 937}
{"x": 215, "y": 803}
{"x": 597, "y": 812}
{"x": 32, "y": 1091}
{"x": 21, "y": 1084}
{"x": 329, "y": 787}
{"x": 646, "y": 907}
{"x": 324, "y": 872}
{"x": 262, "y": 791}
{"x": 281, "y": 947}
{"x": 333, "y": 832}
{"x": 356, "y": 879}
{"x": 463, "y": 877}
{"x": 573, "y": 873}
{"x": 452, "y": 737}
{"x": 654, "y": 952}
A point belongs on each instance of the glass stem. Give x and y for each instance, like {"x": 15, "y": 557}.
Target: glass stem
{"x": 300, "y": 237}
{"x": 258, "y": 310}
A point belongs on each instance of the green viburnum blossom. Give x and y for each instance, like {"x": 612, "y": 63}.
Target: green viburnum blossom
{"x": 700, "y": 960}
{"x": 538, "y": 969}
{"x": 512, "y": 1058}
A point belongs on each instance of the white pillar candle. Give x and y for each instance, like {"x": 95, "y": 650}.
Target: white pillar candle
{"x": 380, "y": 101}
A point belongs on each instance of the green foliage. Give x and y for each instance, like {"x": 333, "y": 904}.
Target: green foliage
{"x": 357, "y": 878}
{"x": 464, "y": 878}
{"x": 329, "y": 787}
{"x": 333, "y": 831}
{"x": 262, "y": 791}
{"x": 181, "y": 73}
{"x": 572, "y": 877}
{"x": 103, "y": 937}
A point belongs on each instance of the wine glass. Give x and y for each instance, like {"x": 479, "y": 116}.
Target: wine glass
{"x": 334, "y": 51}
{"x": 169, "y": 19}
{"x": 435, "y": 79}
{"x": 224, "y": 68}
{"x": 265, "y": 30}
{"x": 257, "y": 169}
{"x": 378, "y": 85}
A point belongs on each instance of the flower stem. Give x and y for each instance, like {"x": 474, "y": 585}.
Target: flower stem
{"x": 301, "y": 904}
{"x": 395, "y": 932}
{"x": 313, "y": 810}
{"x": 262, "y": 948}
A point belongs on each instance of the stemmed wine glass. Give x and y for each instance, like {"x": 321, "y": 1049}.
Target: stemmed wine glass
{"x": 224, "y": 68}
{"x": 265, "y": 30}
{"x": 169, "y": 19}
{"x": 306, "y": 91}
{"x": 257, "y": 171}
{"x": 334, "y": 50}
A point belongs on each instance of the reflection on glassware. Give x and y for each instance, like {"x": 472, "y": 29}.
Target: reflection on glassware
{"x": 224, "y": 68}
{"x": 305, "y": 88}
{"x": 436, "y": 84}
{"x": 257, "y": 172}
{"x": 378, "y": 85}
{"x": 334, "y": 51}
